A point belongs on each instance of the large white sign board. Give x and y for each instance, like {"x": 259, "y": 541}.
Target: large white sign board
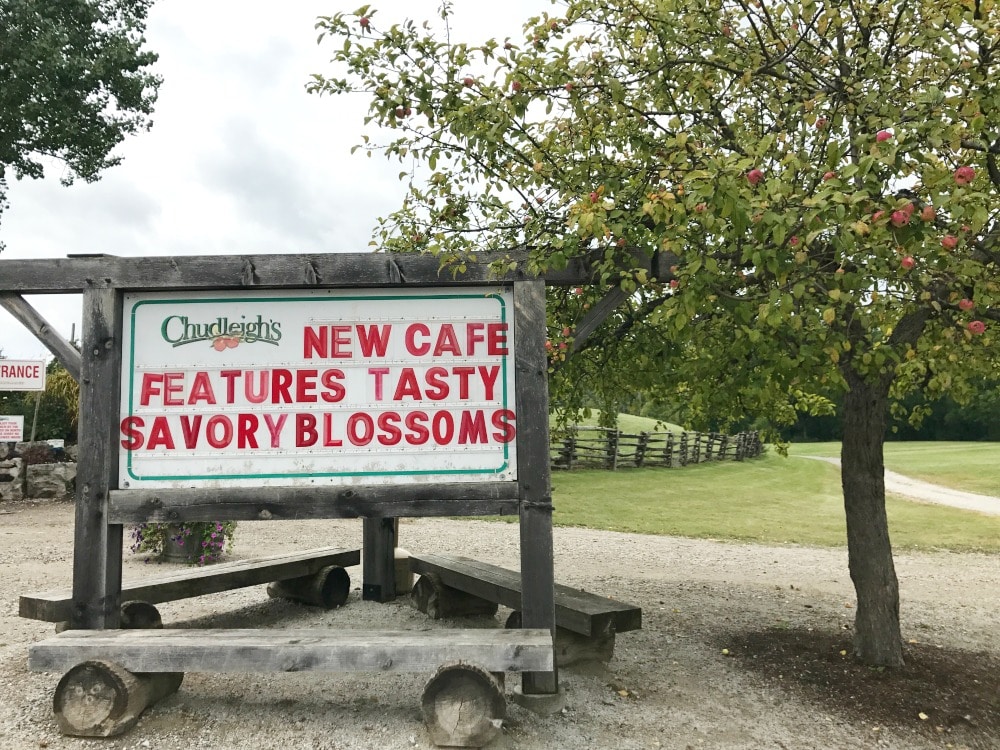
{"x": 22, "y": 374}
{"x": 319, "y": 387}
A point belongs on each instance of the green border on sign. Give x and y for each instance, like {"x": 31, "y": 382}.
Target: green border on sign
{"x": 313, "y": 298}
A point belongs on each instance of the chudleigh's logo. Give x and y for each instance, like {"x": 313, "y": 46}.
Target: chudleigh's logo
{"x": 224, "y": 333}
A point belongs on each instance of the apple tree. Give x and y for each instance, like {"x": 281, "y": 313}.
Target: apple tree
{"x": 74, "y": 81}
{"x": 790, "y": 202}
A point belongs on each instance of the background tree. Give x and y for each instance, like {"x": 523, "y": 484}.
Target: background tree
{"x": 816, "y": 184}
{"x": 74, "y": 81}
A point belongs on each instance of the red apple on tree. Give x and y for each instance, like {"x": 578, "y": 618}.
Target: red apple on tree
{"x": 468, "y": 81}
{"x": 364, "y": 22}
{"x": 516, "y": 86}
{"x": 829, "y": 176}
{"x": 882, "y": 136}
{"x": 966, "y": 304}
{"x": 964, "y": 175}
{"x": 899, "y": 218}
{"x": 821, "y": 123}
{"x": 927, "y": 213}
{"x": 949, "y": 242}
{"x": 754, "y": 176}
{"x": 976, "y": 327}
{"x": 674, "y": 283}
{"x": 907, "y": 262}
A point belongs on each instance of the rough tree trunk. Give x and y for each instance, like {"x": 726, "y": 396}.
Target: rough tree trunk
{"x": 877, "y": 638}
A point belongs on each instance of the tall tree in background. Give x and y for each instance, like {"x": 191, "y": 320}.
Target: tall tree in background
{"x": 822, "y": 176}
{"x": 74, "y": 81}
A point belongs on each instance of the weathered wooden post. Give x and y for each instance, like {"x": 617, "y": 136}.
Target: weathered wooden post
{"x": 534, "y": 479}
{"x": 97, "y": 545}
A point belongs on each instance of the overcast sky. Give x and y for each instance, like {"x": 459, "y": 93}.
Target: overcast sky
{"x": 240, "y": 159}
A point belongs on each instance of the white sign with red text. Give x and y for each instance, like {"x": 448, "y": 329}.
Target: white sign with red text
{"x": 22, "y": 374}
{"x": 318, "y": 387}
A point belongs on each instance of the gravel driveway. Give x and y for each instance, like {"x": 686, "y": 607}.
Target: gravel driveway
{"x": 670, "y": 685}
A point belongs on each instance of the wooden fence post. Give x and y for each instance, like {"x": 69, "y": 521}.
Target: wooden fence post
{"x": 612, "y": 448}
{"x": 640, "y": 448}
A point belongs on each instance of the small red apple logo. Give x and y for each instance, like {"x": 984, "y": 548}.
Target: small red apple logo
{"x": 949, "y": 242}
{"x": 219, "y": 344}
{"x": 754, "y": 176}
{"x": 964, "y": 175}
{"x": 908, "y": 262}
{"x": 882, "y": 136}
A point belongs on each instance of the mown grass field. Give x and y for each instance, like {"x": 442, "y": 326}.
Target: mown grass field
{"x": 973, "y": 467}
{"x": 782, "y": 500}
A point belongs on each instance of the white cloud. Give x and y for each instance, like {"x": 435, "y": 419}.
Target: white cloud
{"x": 240, "y": 158}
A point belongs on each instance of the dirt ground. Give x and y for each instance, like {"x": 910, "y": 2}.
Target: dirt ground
{"x": 742, "y": 646}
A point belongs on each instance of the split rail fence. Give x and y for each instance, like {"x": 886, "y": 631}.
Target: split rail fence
{"x": 598, "y": 447}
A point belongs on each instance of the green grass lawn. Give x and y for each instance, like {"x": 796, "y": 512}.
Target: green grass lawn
{"x": 769, "y": 500}
{"x": 973, "y": 467}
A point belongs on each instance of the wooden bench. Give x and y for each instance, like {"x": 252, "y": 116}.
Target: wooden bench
{"x": 593, "y": 619}
{"x": 114, "y": 675}
{"x": 303, "y": 567}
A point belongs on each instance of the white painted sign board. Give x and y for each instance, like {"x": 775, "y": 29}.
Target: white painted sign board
{"x": 22, "y": 374}
{"x": 317, "y": 387}
{"x": 11, "y": 429}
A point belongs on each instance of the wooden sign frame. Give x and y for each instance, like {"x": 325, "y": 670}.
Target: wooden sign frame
{"x": 102, "y": 507}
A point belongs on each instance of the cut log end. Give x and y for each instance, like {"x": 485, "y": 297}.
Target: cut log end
{"x": 139, "y": 615}
{"x": 328, "y": 588}
{"x": 463, "y": 706}
{"x": 103, "y": 699}
{"x": 438, "y": 601}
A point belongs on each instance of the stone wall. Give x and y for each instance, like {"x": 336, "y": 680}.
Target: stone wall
{"x": 37, "y": 471}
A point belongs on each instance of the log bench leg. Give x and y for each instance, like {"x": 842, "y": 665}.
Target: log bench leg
{"x": 103, "y": 699}
{"x": 574, "y": 648}
{"x": 135, "y": 615}
{"x": 438, "y": 601}
{"x": 463, "y": 706}
{"x": 328, "y": 588}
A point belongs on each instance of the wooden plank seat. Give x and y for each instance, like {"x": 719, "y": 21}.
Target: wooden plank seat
{"x": 111, "y": 676}
{"x": 295, "y": 650}
{"x": 577, "y": 611}
{"x": 586, "y": 623}
{"x": 57, "y": 606}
